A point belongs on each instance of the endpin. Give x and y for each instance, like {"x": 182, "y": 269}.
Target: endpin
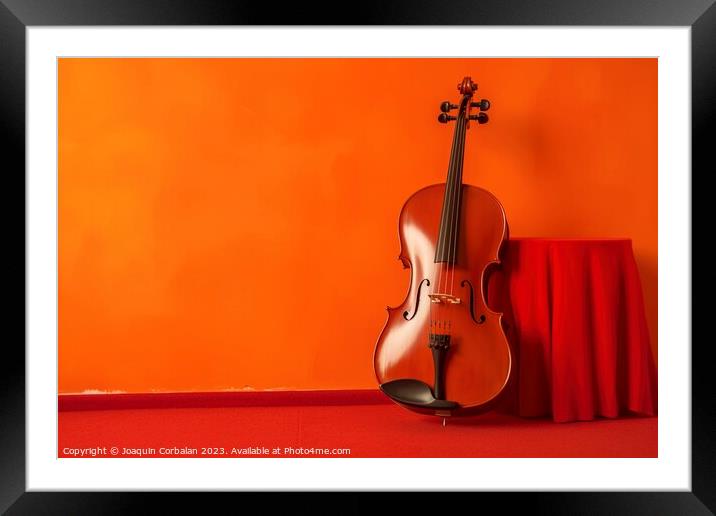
{"x": 443, "y": 422}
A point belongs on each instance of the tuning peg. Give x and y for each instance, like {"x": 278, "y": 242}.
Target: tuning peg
{"x": 481, "y": 118}
{"x": 483, "y": 105}
{"x": 447, "y": 106}
{"x": 444, "y": 118}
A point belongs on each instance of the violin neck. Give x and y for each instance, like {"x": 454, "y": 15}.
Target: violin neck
{"x": 446, "y": 250}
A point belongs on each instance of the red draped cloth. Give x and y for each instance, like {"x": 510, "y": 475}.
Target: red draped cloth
{"x": 576, "y": 320}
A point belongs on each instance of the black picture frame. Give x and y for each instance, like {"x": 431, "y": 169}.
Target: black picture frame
{"x": 17, "y": 15}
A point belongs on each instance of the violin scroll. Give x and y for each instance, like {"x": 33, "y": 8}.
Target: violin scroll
{"x": 467, "y": 87}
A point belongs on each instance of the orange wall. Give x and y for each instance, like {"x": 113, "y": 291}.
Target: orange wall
{"x": 231, "y": 223}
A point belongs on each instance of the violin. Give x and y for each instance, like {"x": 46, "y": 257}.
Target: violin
{"x": 443, "y": 351}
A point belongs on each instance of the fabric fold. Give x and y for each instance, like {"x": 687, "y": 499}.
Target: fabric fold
{"x": 576, "y": 322}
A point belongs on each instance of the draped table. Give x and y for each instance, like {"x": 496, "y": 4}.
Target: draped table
{"x": 576, "y": 320}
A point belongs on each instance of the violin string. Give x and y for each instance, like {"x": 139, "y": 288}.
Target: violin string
{"x": 438, "y": 266}
{"x": 450, "y": 201}
{"x": 450, "y": 195}
{"x": 455, "y": 216}
{"x": 450, "y": 205}
{"x": 451, "y": 209}
{"x": 451, "y": 191}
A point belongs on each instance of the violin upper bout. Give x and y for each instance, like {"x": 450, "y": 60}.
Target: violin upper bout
{"x": 404, "y": 261}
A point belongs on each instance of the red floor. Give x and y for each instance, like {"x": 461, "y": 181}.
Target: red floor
{"x": 368, "y": 430}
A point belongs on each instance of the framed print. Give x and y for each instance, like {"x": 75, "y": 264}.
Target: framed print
{"x": 212, "y": 220}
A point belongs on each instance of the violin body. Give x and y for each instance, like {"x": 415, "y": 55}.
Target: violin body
{"x": 479, "y": 362}
{"x": 443, "y": 351}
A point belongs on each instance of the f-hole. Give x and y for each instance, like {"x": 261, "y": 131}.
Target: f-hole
{"x": 478, "y": 320}
{"x": 417, "y": 301}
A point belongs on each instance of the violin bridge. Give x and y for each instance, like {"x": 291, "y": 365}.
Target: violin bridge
{"x": 444, "y": 298}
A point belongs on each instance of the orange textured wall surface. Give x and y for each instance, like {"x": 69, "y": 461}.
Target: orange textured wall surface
{"x": 232, "y": 223}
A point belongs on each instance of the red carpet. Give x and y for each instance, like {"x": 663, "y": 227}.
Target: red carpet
{"x": 314, "y": 425}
